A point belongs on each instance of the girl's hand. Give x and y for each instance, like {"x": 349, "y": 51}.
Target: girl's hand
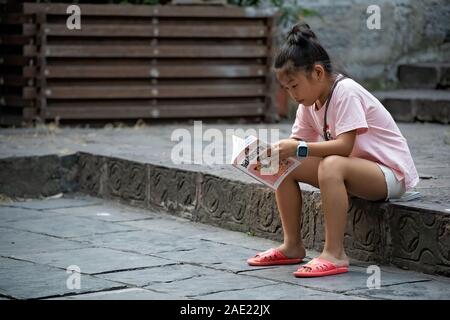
{"x": 286, "y": 148}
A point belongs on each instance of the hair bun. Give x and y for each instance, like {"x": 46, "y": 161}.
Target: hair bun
{"x": 300, "y": 34}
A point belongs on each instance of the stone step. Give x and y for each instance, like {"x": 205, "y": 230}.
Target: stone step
{"x": 424, "y": 75}
{"x": 412, "y": 235}
{"x": 411, "y": 105}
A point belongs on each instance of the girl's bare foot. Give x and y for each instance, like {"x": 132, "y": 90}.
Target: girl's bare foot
{"x": 293, "y": 251}
{"x": 340, "y": 260}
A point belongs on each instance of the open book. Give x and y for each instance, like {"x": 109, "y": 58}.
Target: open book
{"x": 253, "y": 157}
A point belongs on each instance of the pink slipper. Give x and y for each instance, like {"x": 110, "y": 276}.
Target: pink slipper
{"x": 318, "y": 267}
{"x": 272, "y": 257}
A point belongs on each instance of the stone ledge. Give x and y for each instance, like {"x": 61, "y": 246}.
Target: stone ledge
{"x": 424, "y": 75}
{"x": 422, "y": 105}
{"x": 38, "y": 175}
{"x": 387, "y": 233}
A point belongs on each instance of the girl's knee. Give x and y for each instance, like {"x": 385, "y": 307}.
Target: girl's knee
{"x": 288, "y": 182}
{"x": 331, "y": 168}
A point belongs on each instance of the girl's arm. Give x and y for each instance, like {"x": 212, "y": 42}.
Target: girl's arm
{"x": 342, "y": 146}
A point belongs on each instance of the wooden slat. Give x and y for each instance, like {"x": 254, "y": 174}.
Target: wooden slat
{"x": 19, "y": 99}
{"x": 41, "y": 99}
{"x": 29, "y": 72}
{"x": 146, "y": 71}
{"x": 14, "y": 80}
{"x": 156, "y": 51}
{"x": 167, "y": 111}
{"x": 271, "y": 112}
{"x": 160, "y": 61}
{"x": 15, "y": 40}
{"x": 186, "y": 91}
{"x": 29, "y": 50}
{"x": 15, "y": 60}
{"x": 29, "y": 113}
{"x": 198, "y": 31}
{"x": 15, "y": 18}
{"x": 29, "y": 92}
{"x": 111, "y": 82}
{"x": 9, "y": 117}
{"x": 29, "y": 29}
{"x": 15, "y": 101}
{"x": 10, "y": 120}
{"x": 151, "y": 11}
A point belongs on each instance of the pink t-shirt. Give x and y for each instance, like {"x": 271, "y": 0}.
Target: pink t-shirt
{"x": 378, "y": 137}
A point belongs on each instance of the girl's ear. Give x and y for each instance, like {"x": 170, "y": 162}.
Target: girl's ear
{"x": 318, "y": 72}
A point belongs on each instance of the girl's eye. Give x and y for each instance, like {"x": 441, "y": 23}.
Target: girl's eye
{"x": 294, "y": 86}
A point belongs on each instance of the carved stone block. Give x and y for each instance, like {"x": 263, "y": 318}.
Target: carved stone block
{"x": 127, "y": 181}
{"x": 92, "y": 173}
{"x": 172, "y": 190}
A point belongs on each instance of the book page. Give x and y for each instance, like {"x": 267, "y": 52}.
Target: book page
{"x": 251, "y": 156}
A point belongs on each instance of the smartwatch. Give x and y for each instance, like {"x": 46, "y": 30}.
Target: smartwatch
{"x": 302, "y": 149}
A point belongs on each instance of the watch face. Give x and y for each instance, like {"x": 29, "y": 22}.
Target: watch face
{"x": 301, "y": 151}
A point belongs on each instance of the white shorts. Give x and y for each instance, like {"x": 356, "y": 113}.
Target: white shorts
{"x": 395, "y": 188}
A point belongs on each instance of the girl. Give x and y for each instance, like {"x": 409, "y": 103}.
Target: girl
{"x": 364, "y": 153}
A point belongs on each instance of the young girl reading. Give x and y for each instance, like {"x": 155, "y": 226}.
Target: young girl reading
{"x": 348, "y": 144}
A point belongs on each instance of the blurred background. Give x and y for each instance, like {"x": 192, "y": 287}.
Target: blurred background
{"x": 147, "y": 60}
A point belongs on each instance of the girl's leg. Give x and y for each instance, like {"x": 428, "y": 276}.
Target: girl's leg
{"x": 338, "y": 176}
{"x": 289, "y": 201}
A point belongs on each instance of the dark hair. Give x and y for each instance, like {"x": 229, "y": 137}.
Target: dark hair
{"x": 302, "y": 50}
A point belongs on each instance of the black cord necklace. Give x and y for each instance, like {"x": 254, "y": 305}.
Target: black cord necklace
{"x": 326, "y": 128}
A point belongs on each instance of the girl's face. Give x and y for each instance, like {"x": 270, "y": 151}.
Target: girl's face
{"x": 303, "y": 89}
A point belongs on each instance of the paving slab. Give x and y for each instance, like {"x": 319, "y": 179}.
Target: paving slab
{"x": 239, "y": 239}
{"x": 95, "y": 260}
{"x": 433, "y": 290}
{"x": 17, "y": 242}
{"x": 10, "y": 215}
{"x": 144, "y": 242}
{"x": 176, "y": 226}
{"x": 54, "y": 203}
{"x": 105, "y": 212}
{"x": 123, "y": 294}
{"x": 202, "y": 285}
{"x": 215, "y": 255}
{"x": 280, "y": 291}
{"x": 356, "y": 278}
{"x": 162, "y": 274}
{"x": 76, "y": 226}
{"x": 25, "y": 280}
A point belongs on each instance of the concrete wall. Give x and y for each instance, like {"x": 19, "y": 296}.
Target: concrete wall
{"x": 411, "y": 31}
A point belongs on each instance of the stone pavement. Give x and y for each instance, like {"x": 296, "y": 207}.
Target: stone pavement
{"x": 133, "y": 165}
{"x": 129, "y": 253}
